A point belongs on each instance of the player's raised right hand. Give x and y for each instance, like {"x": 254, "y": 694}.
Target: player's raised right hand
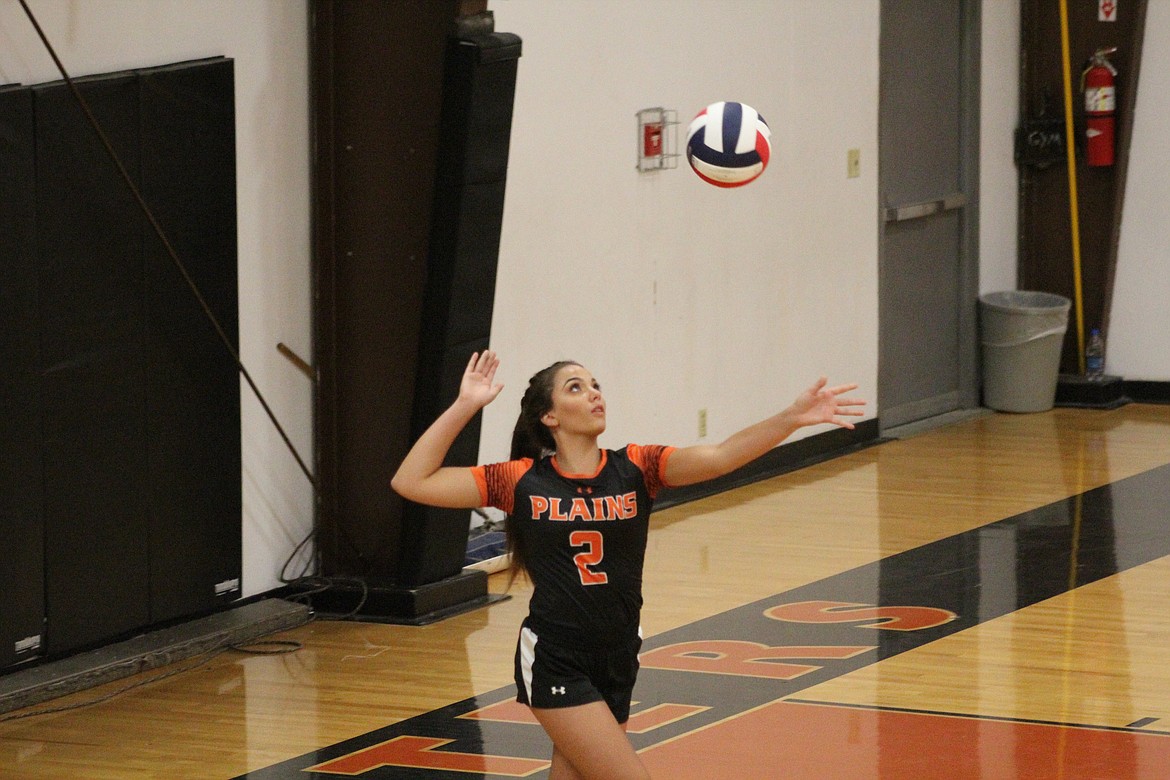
{"x": 477, "y": 387}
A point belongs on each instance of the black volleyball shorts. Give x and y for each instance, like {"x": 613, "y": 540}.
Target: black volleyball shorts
{"x": 550, "y": 676}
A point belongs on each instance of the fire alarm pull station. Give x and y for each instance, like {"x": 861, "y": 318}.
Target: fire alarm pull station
{"x": 656, "y": 139}
{"x": 652, "y": 139}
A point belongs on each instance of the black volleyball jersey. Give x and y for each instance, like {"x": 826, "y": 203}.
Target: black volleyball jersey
{"x": 583, "y": 538}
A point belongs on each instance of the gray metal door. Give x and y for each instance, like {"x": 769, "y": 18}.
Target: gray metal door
{"x": 928, "y": 274}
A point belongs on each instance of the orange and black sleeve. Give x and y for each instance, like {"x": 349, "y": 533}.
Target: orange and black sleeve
{"x": 497, "y": 482}
{"x": 651, "y": 459}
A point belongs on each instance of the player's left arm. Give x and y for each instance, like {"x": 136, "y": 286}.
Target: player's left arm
{"x": 817, "y": 405}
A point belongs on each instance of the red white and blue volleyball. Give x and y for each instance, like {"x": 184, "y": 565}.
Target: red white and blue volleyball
{"x": 728, "y": 144}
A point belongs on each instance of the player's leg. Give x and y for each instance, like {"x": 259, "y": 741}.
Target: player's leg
{"x": 591, "y": 742}
{"x": 561, "y": 768}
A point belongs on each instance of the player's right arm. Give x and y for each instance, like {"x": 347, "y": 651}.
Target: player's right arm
{"x": 422, "y": 477}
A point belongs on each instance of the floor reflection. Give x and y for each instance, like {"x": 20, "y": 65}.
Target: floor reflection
{"x": 735, "y": 678}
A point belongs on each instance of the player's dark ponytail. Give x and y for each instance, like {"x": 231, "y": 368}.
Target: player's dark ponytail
{"x": 531, "y": 438}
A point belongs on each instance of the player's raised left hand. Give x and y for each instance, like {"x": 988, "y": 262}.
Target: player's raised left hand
{"x": 821, "y": 404}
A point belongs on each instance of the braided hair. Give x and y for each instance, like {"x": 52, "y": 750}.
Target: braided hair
{"x": 531, "y": 438}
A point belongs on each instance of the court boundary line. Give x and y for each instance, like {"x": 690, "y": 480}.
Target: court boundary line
{"x": 970, "y": 716}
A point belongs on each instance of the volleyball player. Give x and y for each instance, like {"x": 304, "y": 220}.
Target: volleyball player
{"x": 578, "y": 517}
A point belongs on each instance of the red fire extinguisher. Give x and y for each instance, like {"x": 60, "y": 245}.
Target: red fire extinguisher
{"x": 1100, "y": 105}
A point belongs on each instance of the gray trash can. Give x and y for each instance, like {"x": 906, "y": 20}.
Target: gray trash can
{"x": 1022, "y": 334}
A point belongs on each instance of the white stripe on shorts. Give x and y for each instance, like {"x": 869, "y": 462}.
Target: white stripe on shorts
{"x": 527, "y": 657}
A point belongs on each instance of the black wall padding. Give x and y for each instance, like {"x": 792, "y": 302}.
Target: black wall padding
{"x": 120, "y": 432}
{"x": 22, "y": 600}
{"x": 92, "y": 328}
{"x": 377, "y": 83}
{"x": 479, "y": 87}
{"x": 192, "y": 390}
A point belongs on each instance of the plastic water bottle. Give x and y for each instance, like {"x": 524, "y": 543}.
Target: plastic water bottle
{"x": 1095, "y": 357}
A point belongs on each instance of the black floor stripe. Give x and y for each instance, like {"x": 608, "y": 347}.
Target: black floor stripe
{"x": 1141, "y": 724}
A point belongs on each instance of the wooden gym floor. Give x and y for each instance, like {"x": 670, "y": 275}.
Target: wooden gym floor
{"x": 984, "y": 600}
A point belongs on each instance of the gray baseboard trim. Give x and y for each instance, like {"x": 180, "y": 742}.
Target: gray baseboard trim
{"x": 237, "y": 626}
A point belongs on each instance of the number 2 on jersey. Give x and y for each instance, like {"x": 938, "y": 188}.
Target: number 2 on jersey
{"x": 591, "y": 556}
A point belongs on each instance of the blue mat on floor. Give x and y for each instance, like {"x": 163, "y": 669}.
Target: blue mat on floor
{"x": 484, "y": 547}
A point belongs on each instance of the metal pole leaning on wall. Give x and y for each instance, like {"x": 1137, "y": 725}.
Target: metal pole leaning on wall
{"x": 1071, "y": 154}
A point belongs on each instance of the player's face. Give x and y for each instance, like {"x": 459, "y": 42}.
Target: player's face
{"x": 577, "y": 403}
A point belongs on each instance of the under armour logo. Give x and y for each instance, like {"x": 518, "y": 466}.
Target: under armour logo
{"x": 558, "y": 691}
